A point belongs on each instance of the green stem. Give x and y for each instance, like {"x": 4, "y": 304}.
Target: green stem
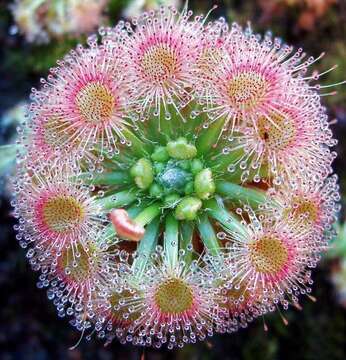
{"x": 108, "y": 235}
{"x": 224, "y": 160}
{"x": 165, "y": 126}
{"x": 154, "y": 130}
{"x": 210, "y": 136}
{"x": 235, "y": 177}
{"x": 207, "y": 234}
{"x": 137, "y": 147}
{"x": 171, "y": 241}
{"x": 136, "y": 209}
{"x": 146, "y": 247}
{"x": 123, "y": 159}
{"x": 227, "y": 219}
{"x": 109, "y": 178}
{"x": 178, "y": 125}
{"x": 192, "y": 124}
{"x": 117, "y": 200}
{"x": 241, "y": 194}
{"x": 148, "y": 214}
{"x": 186, "y": 236}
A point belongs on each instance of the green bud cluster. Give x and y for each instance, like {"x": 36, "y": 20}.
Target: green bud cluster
{"x": 175, "y": 175}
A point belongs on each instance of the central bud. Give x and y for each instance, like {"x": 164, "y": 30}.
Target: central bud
{"x": 173, "y": 178}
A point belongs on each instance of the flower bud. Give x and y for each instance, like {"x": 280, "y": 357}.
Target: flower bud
{"x": 189, "y": 188}
{"x": 160, "y": 154}
{"x": 143, "y": 173}
{"x": 204, "y": 184}
{"x": 155, "y": 190}
{"x": 180, "y": 149}
{"x": 187, "y": 208}
{"x": 196, "y": 166}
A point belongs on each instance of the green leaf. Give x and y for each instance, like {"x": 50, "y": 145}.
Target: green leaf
{"x": 146, "y": 247}
{"x": 171, "y": 240}
{"x": 224, "y": 217}
{"x": 117, "y": 200}
{"x": 210, "y": 136}
{"x": 240, "y": 194}
{"x": 207, "y": 234}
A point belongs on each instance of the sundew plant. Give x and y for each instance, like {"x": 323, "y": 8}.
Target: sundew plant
{"x": 174, "y": 180}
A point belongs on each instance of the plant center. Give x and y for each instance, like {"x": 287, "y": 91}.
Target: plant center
{"x": 95, "y": 102}
{"x": 62, "y": 213}
{"x": 175, "y": 175}
{"x": 174, "y": 296}
{"x": 247, "y": 90}
{"x": 268, "y": 255}
{"x": 159, "y": 63}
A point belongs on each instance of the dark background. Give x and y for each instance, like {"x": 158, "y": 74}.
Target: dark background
{"x": 29, "y": 326}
